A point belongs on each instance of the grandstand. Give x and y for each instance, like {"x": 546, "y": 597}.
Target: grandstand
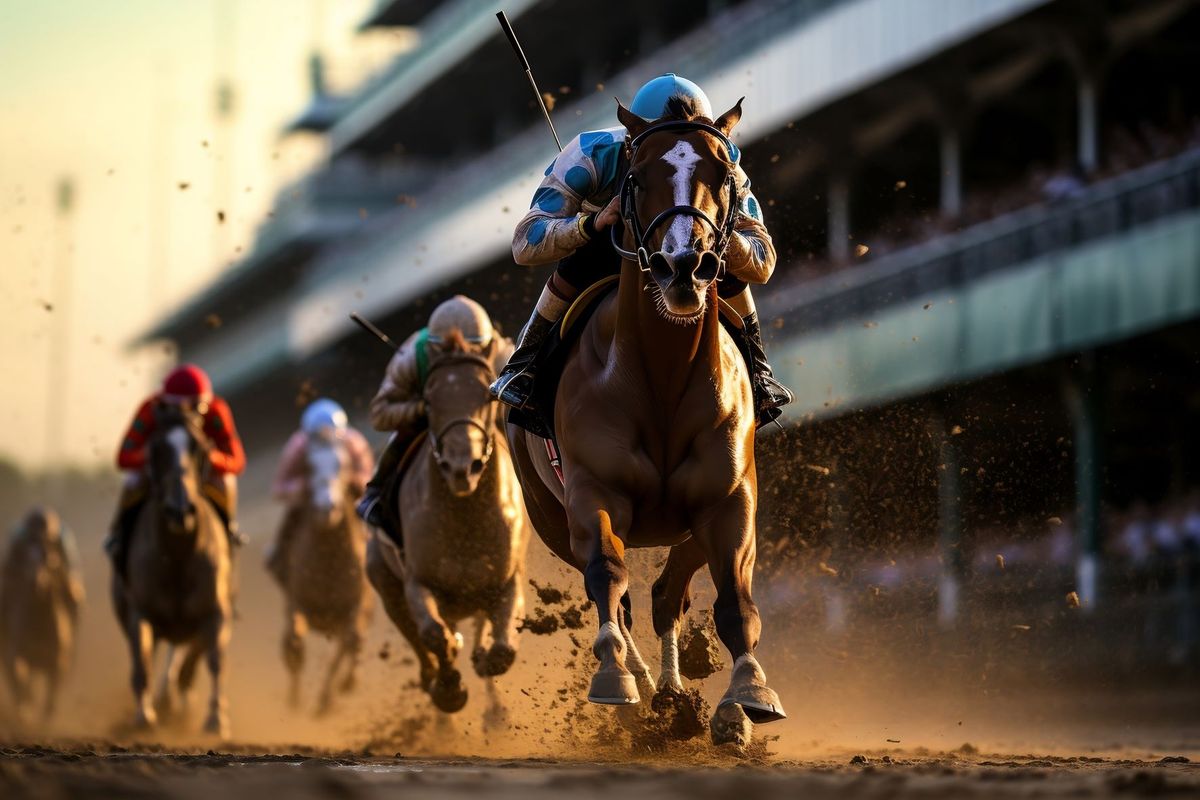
{"x": 988, "y": 220}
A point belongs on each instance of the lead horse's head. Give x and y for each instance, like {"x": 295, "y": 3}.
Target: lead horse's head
{"x": 462, "y": 416}
{"x": 679, "y": 203}
{"x": 177, "y": 450}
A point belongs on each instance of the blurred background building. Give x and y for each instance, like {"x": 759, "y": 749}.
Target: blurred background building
{"x": 987, "y": 214}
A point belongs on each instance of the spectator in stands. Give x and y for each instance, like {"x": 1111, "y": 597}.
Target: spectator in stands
{"x": 1135, "y": 542}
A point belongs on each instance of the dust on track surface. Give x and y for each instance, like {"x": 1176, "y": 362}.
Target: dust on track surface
{"x": 89, "y": 770}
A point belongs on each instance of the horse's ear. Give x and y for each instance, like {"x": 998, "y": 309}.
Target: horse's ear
{"x": 726, "y": 122}
{"x": 632, "y": 122}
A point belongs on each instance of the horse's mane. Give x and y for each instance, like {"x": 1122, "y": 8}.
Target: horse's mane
{"x": 684, "y": 109}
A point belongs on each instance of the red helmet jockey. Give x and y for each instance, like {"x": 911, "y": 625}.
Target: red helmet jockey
{"x": 187, "y": 383}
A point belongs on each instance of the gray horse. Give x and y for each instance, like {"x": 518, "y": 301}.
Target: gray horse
{"x": 465, "y": 534}
{"x": 40, "y": 597}
{"x": 326, "y": 580}
{"x": 179, "y": 581}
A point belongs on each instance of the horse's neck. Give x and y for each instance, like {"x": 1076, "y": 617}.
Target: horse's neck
{"x": 670, "y": 354}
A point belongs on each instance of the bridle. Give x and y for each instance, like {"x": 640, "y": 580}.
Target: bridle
{"x": 435, "y": 437}
{"x": 628, "y": 190}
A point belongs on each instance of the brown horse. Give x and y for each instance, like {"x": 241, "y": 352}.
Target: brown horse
{"x": 655, "y": 426}
{"x": 465, "y": 534}
{"x": 179, "y": 582}
{"x": 326, "y": 575}
{"x": 40, "y": 598}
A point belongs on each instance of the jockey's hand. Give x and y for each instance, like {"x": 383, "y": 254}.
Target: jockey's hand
{"x": 609, "y": 214}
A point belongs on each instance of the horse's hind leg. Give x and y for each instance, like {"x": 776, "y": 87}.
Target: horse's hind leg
{"x": 187, "y": 675}
{"x": 670, "y": 600}
{"x": 728, "y": 540}
{"x": 633, "y": 657}
{"x": 391, "y": 591}
{"x": 164, "y": 699}
{"x": 141, "y": 650}
{"x": 293, "y": 652}
{"x": 216, "y": 641}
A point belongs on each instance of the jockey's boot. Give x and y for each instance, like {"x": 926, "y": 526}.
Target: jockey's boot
{"x": 116, "y": 544}
{"x": 769, "y": 394}
{"x": 514, "y": 386}
{"x": 370, "y": 507}
{"x": 276, "y": 558}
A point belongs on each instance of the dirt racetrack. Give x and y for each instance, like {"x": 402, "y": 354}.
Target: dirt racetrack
{"x": 88, "y": 771}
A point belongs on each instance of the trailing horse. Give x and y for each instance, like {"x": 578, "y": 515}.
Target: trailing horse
{"x": 325, "y": 579}
{"x": 40, "y": 599}
{"x": 464, "y": 533}
{"x": 178, "y": 585}
{"x": 655, "y": 426}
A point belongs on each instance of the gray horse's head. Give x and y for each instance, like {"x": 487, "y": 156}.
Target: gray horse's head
{"x": 462, "y": 416}
{"x": 326, "y": 456}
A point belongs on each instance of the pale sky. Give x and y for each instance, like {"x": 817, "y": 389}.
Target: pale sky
{"x": 119, "y": 96}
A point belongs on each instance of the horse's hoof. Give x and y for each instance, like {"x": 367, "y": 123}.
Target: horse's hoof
{"x": 495, "y": 661}
{"x": 748, "y": 688}
{"x": 217, "y": 725}
{"x": 731, "y": 726}
{"x": 681, "y": 712}
{"x": 348, "y": 684}
{"x": 614, "y": 686}
{"x": 448, "y": 693}
{"x": 145, "y": 719}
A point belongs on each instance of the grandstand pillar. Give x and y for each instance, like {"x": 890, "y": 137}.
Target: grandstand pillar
{"x": 1089, "y": 124}
{"x": 1082, "y": 389}
{"x": 839, "y": 215}
{"x": 950, "y": 527}
{"x": 951, "y": 158}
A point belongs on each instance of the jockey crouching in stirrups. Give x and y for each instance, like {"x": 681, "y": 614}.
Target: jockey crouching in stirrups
{"x": 189, "y": 386}
{"x": 326, "y": 420}
{"x": 569, "y": 221}
{"x": 399, "y": 405}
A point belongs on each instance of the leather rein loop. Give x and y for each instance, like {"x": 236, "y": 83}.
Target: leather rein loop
{"x": 629, "y": 217}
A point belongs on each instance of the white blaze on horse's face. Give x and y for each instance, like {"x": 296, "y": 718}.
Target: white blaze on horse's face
{"x": 325, "y": 471}
{"x": 683, "y": 157}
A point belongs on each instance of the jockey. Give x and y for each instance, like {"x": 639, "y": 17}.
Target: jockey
{"x": 399, "y": 405}
{"x": 42, "y": 528}
{"x": 569, "y": 222}
{"x": 322, "y": 419}
{"x": 187, "y": 386}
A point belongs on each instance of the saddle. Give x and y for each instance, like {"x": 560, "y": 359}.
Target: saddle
{"x": 552, "y": 357}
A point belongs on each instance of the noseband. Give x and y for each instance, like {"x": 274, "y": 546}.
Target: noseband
{"x": 435, "y": 437}
{"x": 628, "y": 191}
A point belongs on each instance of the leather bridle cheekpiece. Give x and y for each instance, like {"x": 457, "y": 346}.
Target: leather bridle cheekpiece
{"x": 628, "y": 189}
{"x": 435, "y": 437}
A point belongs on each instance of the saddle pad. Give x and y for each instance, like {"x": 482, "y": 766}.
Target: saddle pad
{"x": 552, "y": 357}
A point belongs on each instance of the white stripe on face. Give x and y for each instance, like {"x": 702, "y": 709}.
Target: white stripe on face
{"x": 683, "y": 158}
{"x": 179, "y": 439}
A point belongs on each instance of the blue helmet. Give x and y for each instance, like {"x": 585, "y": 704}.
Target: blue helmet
{"x": 650, "y": 102}
{"x": 323, "y": 413}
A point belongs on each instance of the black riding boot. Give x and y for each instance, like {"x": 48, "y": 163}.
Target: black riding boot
{"x": 369, "y": 508}
{"x": 769, "y": 394}
{"x": 117, "y": 542}
{"x": 515, "y": 384}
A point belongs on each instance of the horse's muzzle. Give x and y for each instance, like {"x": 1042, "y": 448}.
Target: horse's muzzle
{"x": 683, "y": 278}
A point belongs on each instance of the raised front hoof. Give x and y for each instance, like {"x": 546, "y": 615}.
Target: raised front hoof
{"x": 495, "y": 661}
{"x": 614, "y": 686}
{"x": 760, "y": 703}
{"x": 448, "y": 694}
{"x": 730, "y": 726}
{"x": 217, "y": 725}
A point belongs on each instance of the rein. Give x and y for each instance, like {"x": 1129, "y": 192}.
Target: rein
{"x": 435, "y": 437}
{"x": 628, "y": 191}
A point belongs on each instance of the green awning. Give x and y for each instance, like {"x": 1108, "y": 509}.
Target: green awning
{"x": 1074, "y": 299}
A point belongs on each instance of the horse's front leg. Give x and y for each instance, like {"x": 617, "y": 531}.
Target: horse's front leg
{"x": 294, "y": 630}
{"x": 727, "y": 537}
{"x": 446, "y": 690}
{"x": 595, "y": 542}
{"x": 504, "y": 616}
{"x": 216, "y": 641}
{"x": 141, "y": 651}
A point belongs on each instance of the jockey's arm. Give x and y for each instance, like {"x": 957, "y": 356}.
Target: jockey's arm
{"x": 227, "y": 455}
{"x": 132, "y": 453}
{"x": 398, "y": 404}
{"x": 361, "y": 460}
{"x": 289, "y": 476}
{"x": 751, "y": 253}
{"x": 555, "y": 225}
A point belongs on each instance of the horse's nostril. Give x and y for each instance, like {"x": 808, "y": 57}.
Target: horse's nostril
{"x": 477, "y": 466}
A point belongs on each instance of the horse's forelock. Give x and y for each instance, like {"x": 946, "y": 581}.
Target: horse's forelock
{"x": 454, "y": 341}
{"x": 683, "y": 108}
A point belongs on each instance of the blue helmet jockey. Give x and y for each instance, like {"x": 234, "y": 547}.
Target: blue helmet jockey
{"x": 323, "y": 416}
{"x": 650, "y": 102}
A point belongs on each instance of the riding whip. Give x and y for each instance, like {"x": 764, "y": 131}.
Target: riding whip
{"x": 516, "y": 46}
{"x": 367, "y": 326}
